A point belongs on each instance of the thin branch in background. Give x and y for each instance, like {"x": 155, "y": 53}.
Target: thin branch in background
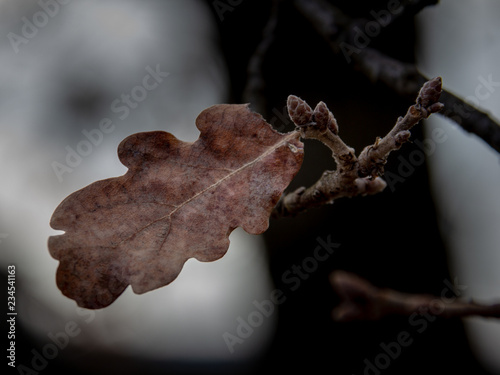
{"x": 360, "y": 300}
{"x": 254, "y": 89}
{"x": 354, "y": 175}
{"x": 396, "y": 11}
{"x": 403, "y": 78}
{"x": 327, "y": 19}
{"x": 471, "y": 119}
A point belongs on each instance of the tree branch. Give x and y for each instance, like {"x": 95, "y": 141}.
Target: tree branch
{"x": 354, "y": 175}
{"x": 338, "y": 30}
{"x": 254, "y": 89}
{"x": 360, "y": 300}
{"x": 373, "y": 158}
{"x": 471, "y": 119}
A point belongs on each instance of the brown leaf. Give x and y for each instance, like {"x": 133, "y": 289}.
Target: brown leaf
{"x": 178, "y": 200}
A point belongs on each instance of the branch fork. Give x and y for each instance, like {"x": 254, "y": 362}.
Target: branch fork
{"x": 354, "y": 175}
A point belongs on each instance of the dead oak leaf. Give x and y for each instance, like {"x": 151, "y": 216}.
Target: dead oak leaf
{"x": 178, "y": 200}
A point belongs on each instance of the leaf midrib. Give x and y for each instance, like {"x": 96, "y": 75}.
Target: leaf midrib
{"x": 270, "y": 150}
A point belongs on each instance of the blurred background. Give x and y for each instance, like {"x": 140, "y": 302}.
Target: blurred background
{"x": 67, "y": 66}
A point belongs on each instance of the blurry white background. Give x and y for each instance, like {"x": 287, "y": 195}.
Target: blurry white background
{"x": 61, "y": 78}
{"x": 460, "y": 41}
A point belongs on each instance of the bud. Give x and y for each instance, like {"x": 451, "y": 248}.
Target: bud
{"x": 299, "y": 111}
{"x": 430, "y": 92}
{"x": 436, "y": 107}
{"x": 324, "y": 118}
{"x": 402, "y": 137}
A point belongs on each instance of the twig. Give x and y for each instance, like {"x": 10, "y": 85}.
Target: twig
{"x": 354, "y": 175}
{"x": 403, "y": 78}
{"x": 373, "y": 158}
{"x": 360, "y": 300}
{"x": 254, "y": 89}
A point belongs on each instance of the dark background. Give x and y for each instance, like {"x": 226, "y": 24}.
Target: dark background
{"x": 391, "y": 238}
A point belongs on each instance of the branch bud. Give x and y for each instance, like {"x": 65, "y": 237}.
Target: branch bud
{"x": 430, "y": 92}
{"x": 324, "y": 118}
{"x": 299, "y": 111}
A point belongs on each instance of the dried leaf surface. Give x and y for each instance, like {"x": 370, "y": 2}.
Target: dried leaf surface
{"x": 178, "y": 200}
